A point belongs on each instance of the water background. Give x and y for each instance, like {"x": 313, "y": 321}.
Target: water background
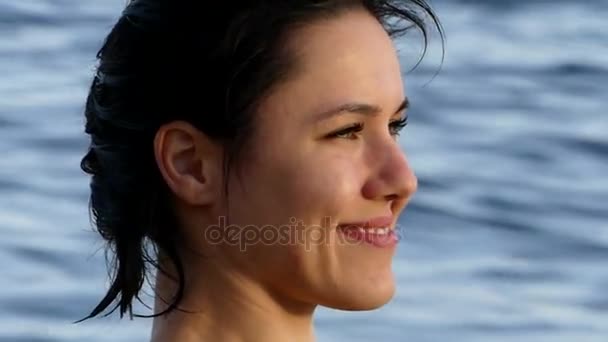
{"x": 506, "y": 239}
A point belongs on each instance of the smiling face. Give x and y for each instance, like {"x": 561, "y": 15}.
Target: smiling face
{"x": 295, "y": 167}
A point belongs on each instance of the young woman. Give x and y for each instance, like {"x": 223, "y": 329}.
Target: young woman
{"x": 247, "y": 151}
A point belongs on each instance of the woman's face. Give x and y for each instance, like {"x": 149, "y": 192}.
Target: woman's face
{"x": 295, "y": 170}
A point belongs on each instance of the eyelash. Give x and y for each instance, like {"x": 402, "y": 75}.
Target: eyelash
{"x": 395, "y": 127}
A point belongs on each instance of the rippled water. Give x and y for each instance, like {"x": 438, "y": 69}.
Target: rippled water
{"x": 507, "y": 238}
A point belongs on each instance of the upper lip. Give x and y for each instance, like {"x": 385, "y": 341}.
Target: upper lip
{"x": 374, "y": 222}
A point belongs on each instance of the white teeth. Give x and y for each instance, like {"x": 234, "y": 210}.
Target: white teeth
{"x": 381, "y": 231}
{"x": 377, "y": 231}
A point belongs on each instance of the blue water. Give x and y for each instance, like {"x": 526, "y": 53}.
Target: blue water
{"x": 506, "y": 240}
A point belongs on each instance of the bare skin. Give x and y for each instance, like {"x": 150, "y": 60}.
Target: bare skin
{"x": 295, "y": 168}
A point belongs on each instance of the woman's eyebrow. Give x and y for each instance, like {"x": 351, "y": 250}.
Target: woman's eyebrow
{"x": 358, "y": 108}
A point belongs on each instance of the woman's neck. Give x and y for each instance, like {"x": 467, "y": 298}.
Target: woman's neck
{"x": 226, "y": 306}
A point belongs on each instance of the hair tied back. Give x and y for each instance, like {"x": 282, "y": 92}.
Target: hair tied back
{"x": 140, "y": 12}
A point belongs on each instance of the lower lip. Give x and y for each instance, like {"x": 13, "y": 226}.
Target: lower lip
{"x": 382, "y": 241}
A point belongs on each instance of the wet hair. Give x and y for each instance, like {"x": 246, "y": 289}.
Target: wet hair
{"x": 209, "y": 64}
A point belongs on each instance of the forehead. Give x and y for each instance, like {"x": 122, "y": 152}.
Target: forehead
{"x": 342, "y": 59}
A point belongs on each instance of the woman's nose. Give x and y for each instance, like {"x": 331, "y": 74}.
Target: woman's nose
{"x": 393, "y": 179}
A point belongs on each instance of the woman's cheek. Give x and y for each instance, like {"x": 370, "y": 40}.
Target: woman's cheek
{"x": 329, "y": 187}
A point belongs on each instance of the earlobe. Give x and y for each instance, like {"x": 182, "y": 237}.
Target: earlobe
{"x": 187, "y": 160}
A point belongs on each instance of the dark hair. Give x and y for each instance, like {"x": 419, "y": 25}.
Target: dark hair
{"x": 207, "y": 65}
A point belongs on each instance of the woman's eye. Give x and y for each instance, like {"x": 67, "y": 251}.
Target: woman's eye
{"x": 350, "y": 132}
{"x": 396, "y": 126}
{"x": 347, "y": 133}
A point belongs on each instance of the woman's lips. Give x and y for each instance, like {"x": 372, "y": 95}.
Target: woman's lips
{"x": 388, "y": 239}
{"x": 376, "y": 231}
{"x": 374, "y": 222}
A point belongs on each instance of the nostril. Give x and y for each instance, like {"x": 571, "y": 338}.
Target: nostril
{"x": 392, "y": 197}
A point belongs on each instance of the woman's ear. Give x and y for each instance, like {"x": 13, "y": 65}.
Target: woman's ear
{"x": 189, "y": 161}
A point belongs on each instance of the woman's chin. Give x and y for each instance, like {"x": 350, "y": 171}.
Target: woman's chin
{"x": 361, "y": 299}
